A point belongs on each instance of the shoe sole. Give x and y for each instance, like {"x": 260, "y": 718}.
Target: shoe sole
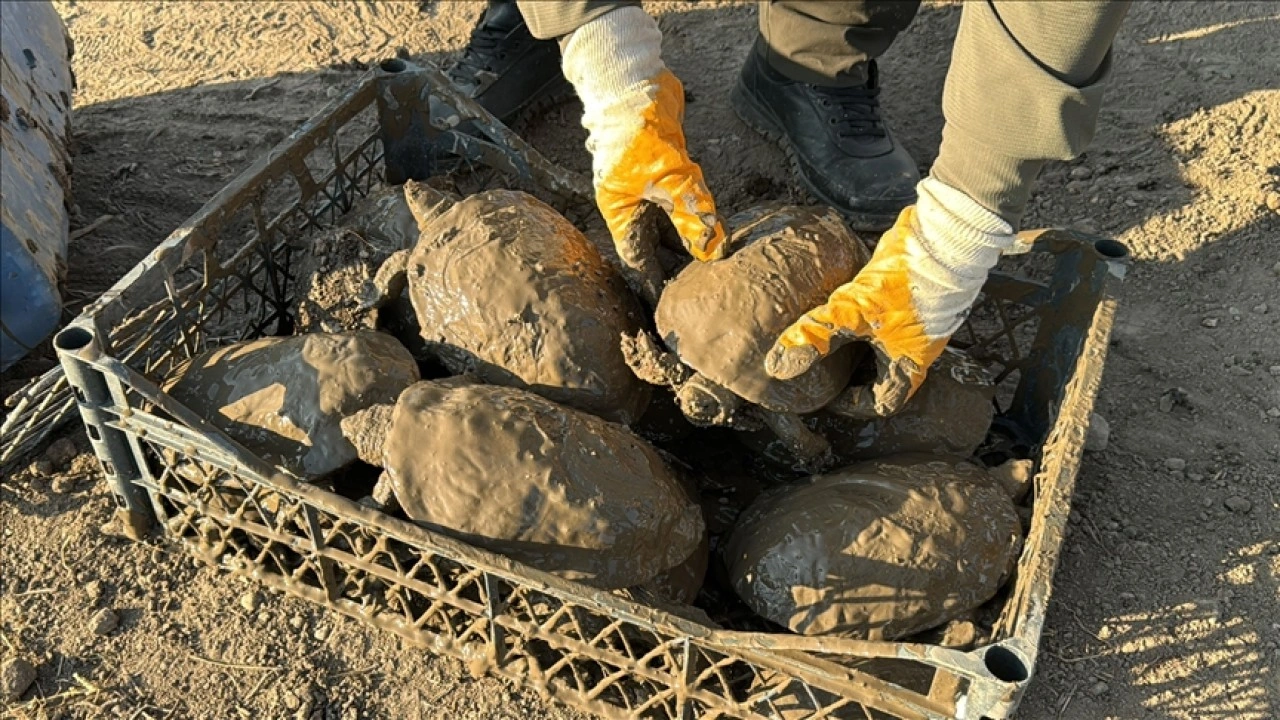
{"x": 761, "y": 120}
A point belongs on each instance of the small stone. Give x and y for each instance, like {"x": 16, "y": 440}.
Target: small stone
{"x": 263, "y": 617}
{"x": 41, "y": 468}
{"x": 61, "y": 452}
{"x": 1262, "y": 308}
{"x": 1274, "y": 412}
{"x": 16, "y": 675}
{"x": 1209, "y": 322}
{"x": 1175, "y": 464}
{"x": 321, "y": 633}
{"x": 1274, "y": 370}
{"x": 1081, "y": 172}
{"x": 1098, "y": 434}
{"x": 1237, "y": 504}
{"x": 296, "y": 622}
{"x": 104, "y": 621}
{"x": 1166, "y": 403}
{"x": 94, "y": 590}
{"x": 63, "y": 485}
{"x": 1207, "y": 502}
{"x": 1273, "y": 201}
{"x": 291, "y": 701}
{"x": 250, "y": 601}
{"x": 1099, "y": 688}
{"x": 1015, "y": 477}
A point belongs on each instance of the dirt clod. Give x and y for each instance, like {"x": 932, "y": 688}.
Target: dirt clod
{"x": 250, "y": 601}
{"x": 1175, "y": 464}
{"x": 41, "y": 469}
{"x": 1098, "y": 435}
{"x": 61, "y": 452}
{"x": 104, "y": 621}
{"x": 16, "y": 675}
{"x": 1237, "y": 504}
{"x": 64, "y": 484}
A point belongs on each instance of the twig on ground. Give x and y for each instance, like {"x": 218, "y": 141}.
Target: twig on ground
{"x": 103, "y": 220}
{"x": 233, "y": 666}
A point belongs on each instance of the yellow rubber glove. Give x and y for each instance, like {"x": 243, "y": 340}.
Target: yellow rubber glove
{"x": 919, "y": 286}
{"x": 633, "y": 110}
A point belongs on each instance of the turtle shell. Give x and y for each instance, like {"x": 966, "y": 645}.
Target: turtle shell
{"x": 504, "y": 287}
{"x": 284, "y": 398}
{"x": 722, "y": 317}
{"x": 877, "y": 550}
{"x": 556, "y": 488}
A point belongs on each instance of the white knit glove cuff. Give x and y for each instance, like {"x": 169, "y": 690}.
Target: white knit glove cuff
{"x": 612, "y": 62}
{"x": 955, "y": 243}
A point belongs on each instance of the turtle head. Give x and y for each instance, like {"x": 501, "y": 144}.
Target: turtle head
{"x": 426, "y": 202}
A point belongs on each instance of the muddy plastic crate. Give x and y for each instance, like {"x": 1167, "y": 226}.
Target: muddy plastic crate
{"x": 225, "y": 276}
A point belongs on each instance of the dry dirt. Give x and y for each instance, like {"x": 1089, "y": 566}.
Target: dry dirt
{"x": 1167, "y": 595}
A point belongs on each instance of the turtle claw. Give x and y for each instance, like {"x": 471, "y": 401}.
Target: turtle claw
{"x": 706, "y": 403}
{"x": 812, "y": 450}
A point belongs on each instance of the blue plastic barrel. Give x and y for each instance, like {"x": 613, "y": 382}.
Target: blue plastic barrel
{"x": 35, "y": 115}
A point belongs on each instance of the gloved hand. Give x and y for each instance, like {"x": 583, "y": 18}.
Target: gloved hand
{"x": 920, "y": 284}
{"x": 633, "y": 108}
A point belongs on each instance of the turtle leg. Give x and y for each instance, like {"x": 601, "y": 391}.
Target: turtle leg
{"x": 707, "y": 403}
{"x": 389, "y": 282}
{"x": 367, "y": 431}
{"x": 806, "y": 445}
{"x": 651, "y": 363}
{"x": 383, "y": 496}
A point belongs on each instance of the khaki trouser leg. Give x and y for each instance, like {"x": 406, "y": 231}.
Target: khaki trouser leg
{"x": 548, "y": 20}
{"x": 1024, "y": 87}
{"x": 828, "y": 42}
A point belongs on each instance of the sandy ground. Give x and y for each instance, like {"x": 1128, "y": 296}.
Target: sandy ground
{"x": 1167, "y": 597}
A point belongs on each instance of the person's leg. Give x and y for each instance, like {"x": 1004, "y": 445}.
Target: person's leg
{"x": 811, "y": 84}
{"x": 506, "y": 66}
{"x": 830, "y": 43}
{"x": 1024, "y": 87}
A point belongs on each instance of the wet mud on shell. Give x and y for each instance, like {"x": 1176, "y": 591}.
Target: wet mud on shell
{"x": 559, "y": 489}
{"x": 505, "y": 287}
{"x": 878, "y": 550}
{"x": 721, "y": 318}
{"x": 284, "y": 398}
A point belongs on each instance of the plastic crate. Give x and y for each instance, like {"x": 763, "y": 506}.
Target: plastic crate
{"x": 225, "y": 275}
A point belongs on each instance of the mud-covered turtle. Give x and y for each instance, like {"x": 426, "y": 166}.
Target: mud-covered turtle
{"x": 719, "y": 319}
{"x": 506, "y": 288}
{"x": 284, "y": 398}
{"x": 554, "y": 487}
{"x": 877, "y": 550}
{"x": 948, "y": 415}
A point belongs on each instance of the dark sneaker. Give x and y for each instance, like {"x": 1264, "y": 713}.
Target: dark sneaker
{"x": 836, "y": 139}
{"x": 507, "y": 70}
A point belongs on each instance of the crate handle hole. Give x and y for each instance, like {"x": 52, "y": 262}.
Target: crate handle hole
{"x": 393, "y": 65}
{"x": 93, "y": 432}
{"x": 1005, "y": 664}
{"x": 73, "y": 338}
{"x": 1111, "y": 249}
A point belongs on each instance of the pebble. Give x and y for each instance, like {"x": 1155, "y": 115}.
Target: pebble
{"x": 1099, "y": 688}
{"x": 321, "y": 633}
{"x": 1274, "y": 412}
{"x": 61, "y": 452}
{"x": 1237, "y": 504}
{"x": 1098, "y": 434}
{"x": 1166, "y": 403}
{"x": 1175, "y": 464}
{"x": 296, "y": 622}
{"x": 291, "y": 701}
{"x": 104, "y": 621}
{"x": 1274, "y": 370}
{"x": 1209, "y": 322}
{"x": 1081, "y": 172}
{"x": 94, "y": 590}
{"x": 250, "y": 601}
{"x": 16, "y": 675}
{"x": 1262, "y": 308}
{"x": 1273, "y": 201}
